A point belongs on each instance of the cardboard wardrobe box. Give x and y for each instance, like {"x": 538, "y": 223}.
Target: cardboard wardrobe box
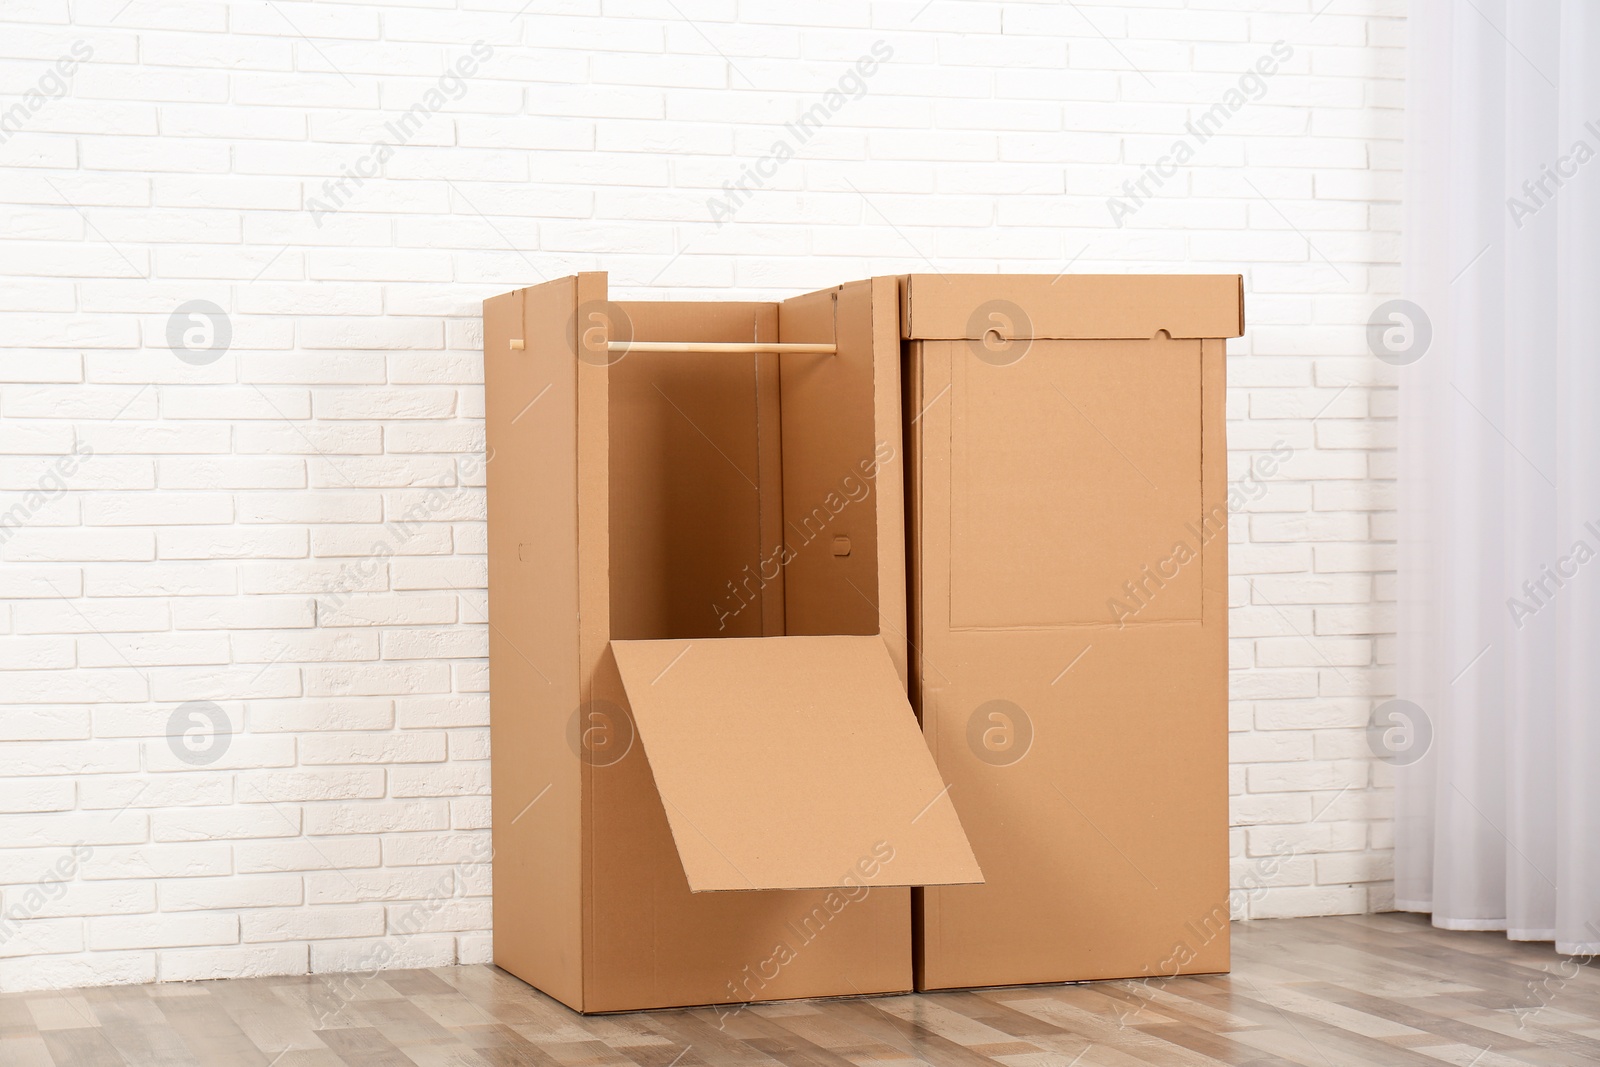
{"x": 1068, "y": 529}
{"x": 709, "y": 785}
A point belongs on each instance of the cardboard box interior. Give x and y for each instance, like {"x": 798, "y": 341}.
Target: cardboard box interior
{"x": 726, "y": 782}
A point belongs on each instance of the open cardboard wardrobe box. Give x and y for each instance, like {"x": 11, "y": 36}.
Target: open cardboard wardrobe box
{"x": 782, "y": 601}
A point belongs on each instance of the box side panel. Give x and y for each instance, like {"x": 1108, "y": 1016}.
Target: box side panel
{"x": 532, "y": 471}
{"x": 1087, "y": 759}
{"x": 1211, "y": 788}
{"x": 910, "y": 444}
{"x": 911, "y": 364}
{"x": 599, "y": 718}
{"x": 888, "y": 435}
{"x": 831, "y": 462}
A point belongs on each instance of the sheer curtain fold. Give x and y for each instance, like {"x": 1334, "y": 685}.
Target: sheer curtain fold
{"x": 1498, "y": 825}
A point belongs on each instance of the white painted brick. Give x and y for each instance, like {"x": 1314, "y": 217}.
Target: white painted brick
{"x": 157, "y": 509}
{"x": 405, "y": 850}
{"x": 374, "y": 817}
{"x": 350, "y": 887}
{"x": 22, "y": 723}
{"x": 273, "y": 787}
{"x": 154, "y": 791}
{"x": 151, "y": 650}
{"x": 240, "y": 751}
{"x": 309, "y": 923}
{"x": 309, "y": 715}
{"x": 304, "y": 854}
{"x": 337, "y": 957}
{"x": 325, "y": 749}
{"x": 245, "y": 891}
{"x": 238, "y": 961}
{"x": 379, "y": 680}
{"x": 360, "y": 539}
{"x": 37, "y": 654}
{"x": 47, "y": 757}
{"x": 299, "y": 646}
{"x": 84, "y": 544}
{"x": 99, "y": 899}
{"x": 21, "y": 795}
{"x": 38, "y": 937}
{"x": 237, "y": 613}
{"x": 161, "y": 931}
{"x": 409, "y": 609}
{"x": 320, "y": 507}
{"x": 471, "y": 813}
{"x": 226, "y": 824}
{"x": 461, "y": 779}
{"x": 159, "y": 861}
{"x": 1275, "y": 903}
{"x": 1288, "y": 777}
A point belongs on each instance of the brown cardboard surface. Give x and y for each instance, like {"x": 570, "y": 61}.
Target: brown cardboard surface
{"x": 1030, "y": 546}
{"x": 642, "y": 498}
{"x": 637, "y": 506}
{"x": 1071, "y": 306}
{"x": 533, "y": 656}
{"x": 783, "y": 761}
{"x": 1086, "y": 746}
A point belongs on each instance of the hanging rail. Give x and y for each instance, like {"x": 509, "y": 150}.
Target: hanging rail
{"x": 733, "y": 347}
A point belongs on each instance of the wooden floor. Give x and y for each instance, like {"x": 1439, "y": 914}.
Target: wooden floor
{"x": 1338, "y": 992}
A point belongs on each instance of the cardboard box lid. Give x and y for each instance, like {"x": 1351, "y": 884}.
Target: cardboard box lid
{"x": 1071, "y": 306}
{"x": 792, "y": 763}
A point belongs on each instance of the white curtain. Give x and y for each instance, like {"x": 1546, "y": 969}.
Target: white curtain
{"x": 1498, "y": 824}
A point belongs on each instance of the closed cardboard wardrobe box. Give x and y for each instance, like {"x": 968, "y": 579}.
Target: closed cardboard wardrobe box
{"x": 1068, "y": 529}
{"x": 709, "y": 786}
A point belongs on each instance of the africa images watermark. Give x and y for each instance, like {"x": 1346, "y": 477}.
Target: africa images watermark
{"x": 1203, "y": 930}
{"x": 341, "y": 989}
{"x": 1251, "y": 87}
{"x": 1545, "y": 991}
{"x": 26, "y": 902}
{"x": 852, "y": 85}
{"x": 796, "y": 934}
{"x": 1553, "y": 577}
{"x": 810, "y": 527}
{"x": 52, "y": 485}
{"x": 451, "y": 86}
{"x": 354, "y": 575}
{"x": 1153, "y": 577}
{"x": 52, "y": 85}
{"x": 1539, "y": 192}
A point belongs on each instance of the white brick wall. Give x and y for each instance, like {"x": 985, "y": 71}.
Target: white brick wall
{"x": 192, "y": 153}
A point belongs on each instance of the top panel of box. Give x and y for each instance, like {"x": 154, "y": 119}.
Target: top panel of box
{"x": 1070, "y": 306}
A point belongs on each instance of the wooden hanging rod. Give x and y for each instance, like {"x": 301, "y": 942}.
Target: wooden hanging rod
{"x": 735, "y": 347}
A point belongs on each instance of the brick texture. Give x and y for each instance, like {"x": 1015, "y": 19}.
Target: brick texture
{"x": 241, "y": 505}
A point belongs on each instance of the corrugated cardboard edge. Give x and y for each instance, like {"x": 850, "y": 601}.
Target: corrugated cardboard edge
{"x": 593, "y": 447}
{"x": 887, "y": 416}
{"x": 536, "y": 818}
{"x": 1080, "y": 307}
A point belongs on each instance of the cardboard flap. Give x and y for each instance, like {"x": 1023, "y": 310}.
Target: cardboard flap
{"x": 937, "y": 307}
{"x": 792, "y": 763}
